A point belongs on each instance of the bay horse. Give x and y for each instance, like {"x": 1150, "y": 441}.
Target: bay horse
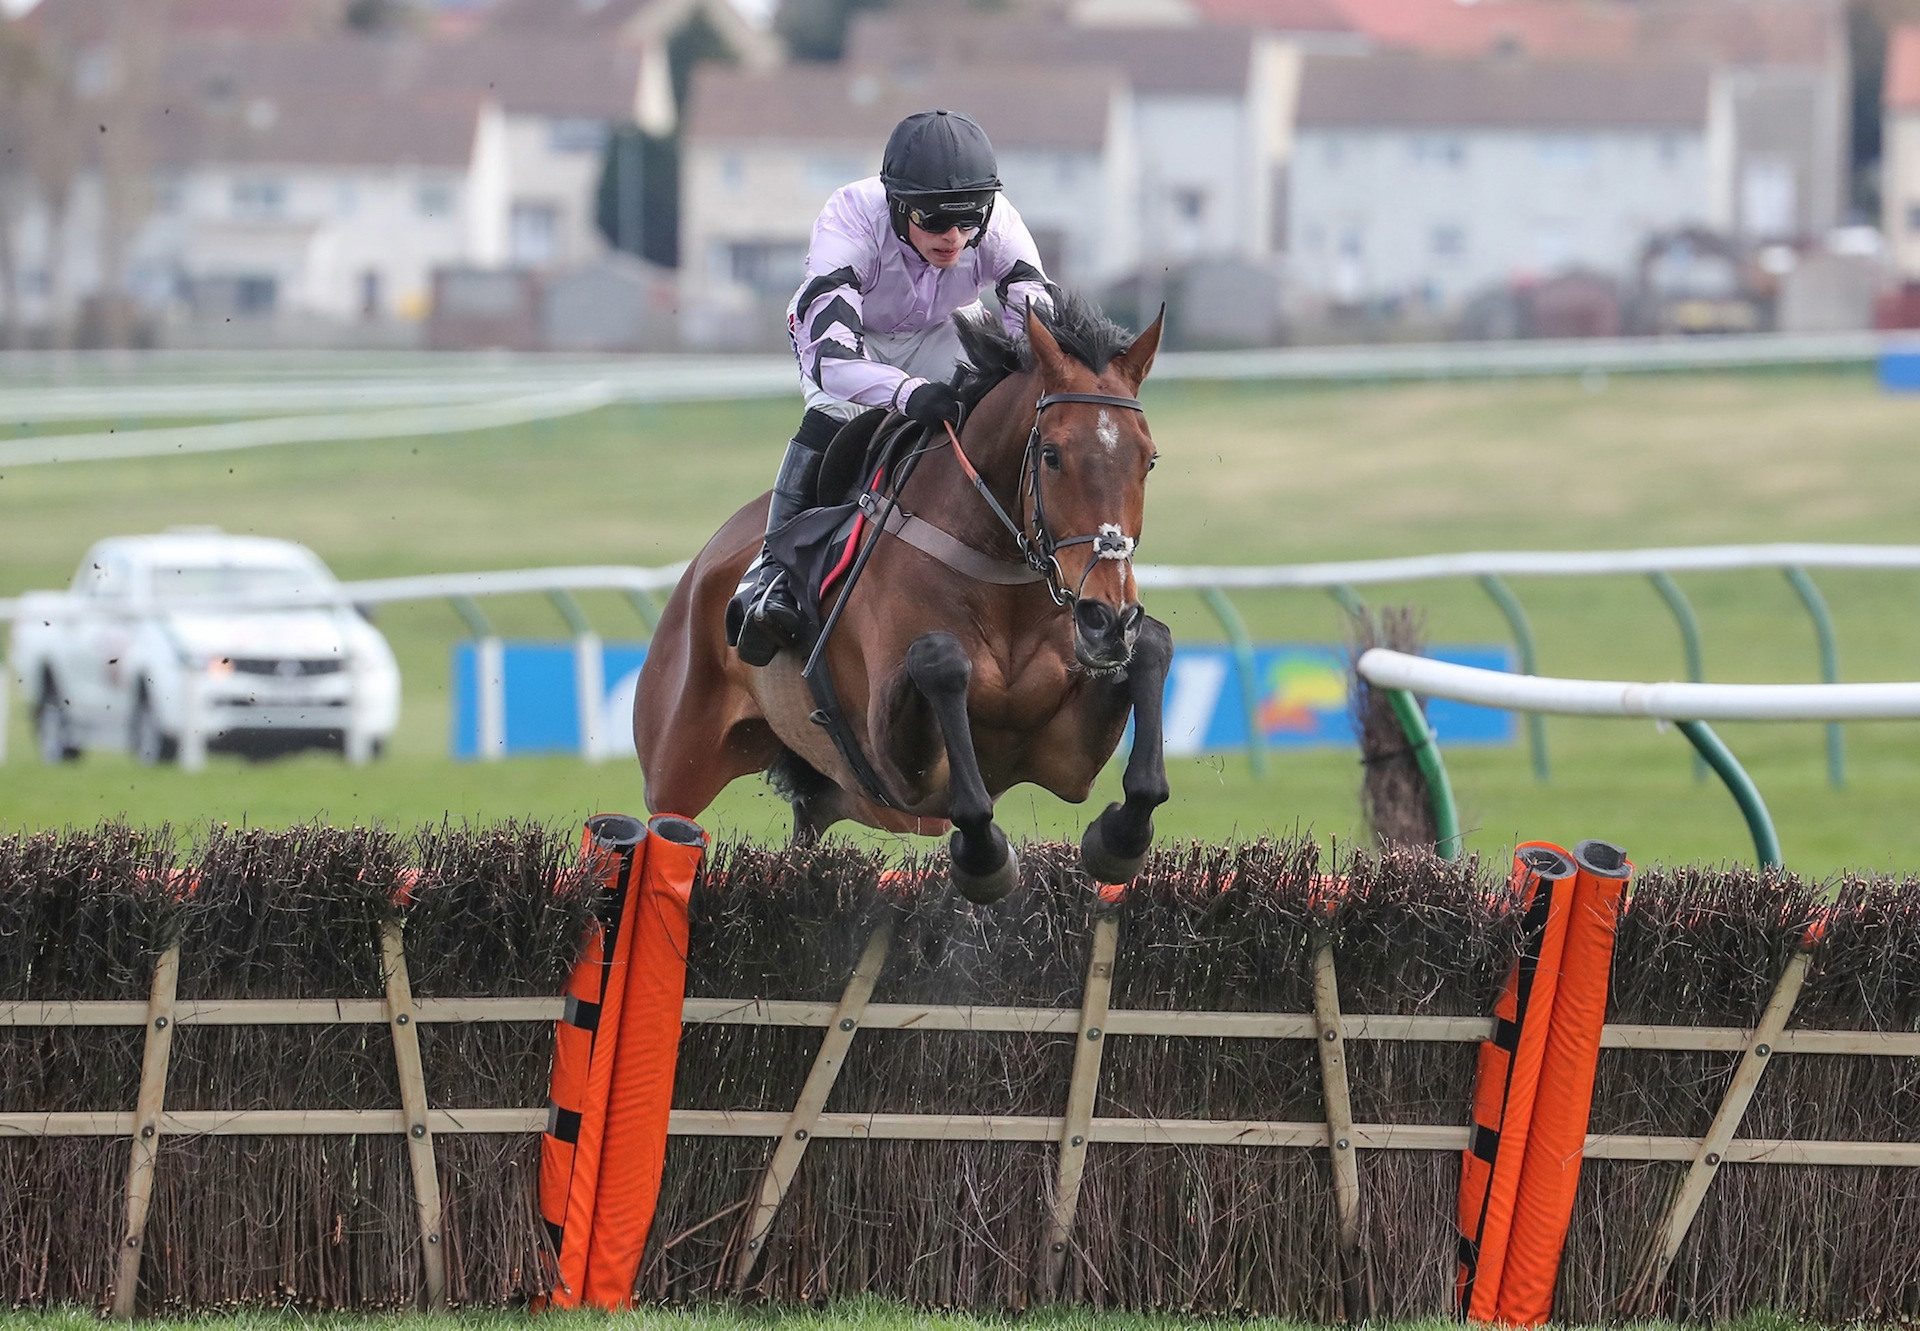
{"x": 1012, "y": 653}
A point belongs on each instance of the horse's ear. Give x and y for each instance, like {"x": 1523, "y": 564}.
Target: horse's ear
{"x": 1046, "y": 351}
{"x": 1133, "y": 363}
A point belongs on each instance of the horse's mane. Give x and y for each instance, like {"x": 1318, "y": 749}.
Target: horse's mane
{"x": 1082, "y": 331}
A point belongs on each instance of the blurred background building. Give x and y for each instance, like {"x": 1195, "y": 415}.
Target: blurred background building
{"x": 643, "y": 174}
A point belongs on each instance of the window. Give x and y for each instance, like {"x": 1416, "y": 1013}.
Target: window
{"x": 434, "y": 198}
{"x": 1669, "y": 150}
{"x": 1565, "y": 149}
{"x": 257, "y": 198}
{"x": 829, "y": 171}
{"x": 1448, "y": 241}
{"x": 772, "y": 267}
{"x": 1913, "y": 218}
{"x": 346, "y": 198}
{"x": 169, "y": 196}
{"x": 733, "y": 171}
{"x": 577, "y": 134}
{"x": 1439, "y": 149}
{"x": 533, "y": 232}
{"x": 1190, "y": 205}
{"x": 1330, "y": 153}
{"x": 255, "y": 295}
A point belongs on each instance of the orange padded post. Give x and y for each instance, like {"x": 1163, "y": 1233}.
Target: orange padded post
{"x": 614, "y": 848}
{"x": 1557, "y": 1142}
{"x": 647, "y": 1052}
{"x": 1508, "y": 1077}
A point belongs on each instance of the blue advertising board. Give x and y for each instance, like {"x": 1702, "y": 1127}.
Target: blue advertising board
{"x": 1900, "y": 368}
{"x": 1300, "y": 699}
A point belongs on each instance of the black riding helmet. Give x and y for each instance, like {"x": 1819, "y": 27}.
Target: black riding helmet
{"x": 939, "y": 163}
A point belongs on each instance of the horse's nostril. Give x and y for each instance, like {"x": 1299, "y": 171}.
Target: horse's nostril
{"x": 1094, "y": 619}
{"x": 1130, "y": 617}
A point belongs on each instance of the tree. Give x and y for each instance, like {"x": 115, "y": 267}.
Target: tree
{"x": 817, "y": 29}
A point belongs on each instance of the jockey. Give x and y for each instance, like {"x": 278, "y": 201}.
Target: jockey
{"x": 892, "y": 259}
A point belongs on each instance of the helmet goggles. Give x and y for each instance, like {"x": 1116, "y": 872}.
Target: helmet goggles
{"x": 941, "y": 214}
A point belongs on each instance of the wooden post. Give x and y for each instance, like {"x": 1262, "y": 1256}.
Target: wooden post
{"x": 413, "y": 1106}
{"x": 1644, "y": 1293}
{"x": 798, "y": 1131}
{"x": 1356, "y": 1276}
{"x": 1081, "y": 1093}
{"x": 157, "y": 1053}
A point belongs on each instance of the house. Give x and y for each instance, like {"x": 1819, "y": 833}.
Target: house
{"x": 325, "y": 175}
{"x": 763, "y": 150}
{"x": 646, "y": 29}
{"x": 1209, "y": 111}
{"x": 1420, "y": 180}
{"x": 1782, "y": 79}
{"x": 1900, "y": 153}
{"x": 335, "y": 205}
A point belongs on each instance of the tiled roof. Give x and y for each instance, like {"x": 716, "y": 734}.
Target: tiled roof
{"x": 1747, "y": 32}
{"x": 1401, "y": 90}
{"x": 1155, "y": 59}
{"x": 1018, "y": 107}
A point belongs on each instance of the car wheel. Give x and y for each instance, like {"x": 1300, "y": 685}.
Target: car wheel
{"x": 53, "y": 729}
{"x": 151, "y": 745}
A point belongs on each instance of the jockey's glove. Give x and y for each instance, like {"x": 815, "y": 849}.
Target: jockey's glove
{"x": 933, "y": 404}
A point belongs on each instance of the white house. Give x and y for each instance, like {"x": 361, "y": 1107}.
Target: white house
{"x": 1210, "y": 108}
{"x": 327, "y": 175}
{"x": 762, "y": 152}
{"x": 1425, "y": 179}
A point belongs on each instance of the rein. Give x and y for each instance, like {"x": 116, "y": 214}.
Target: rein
{"x": 1039, "y": 548}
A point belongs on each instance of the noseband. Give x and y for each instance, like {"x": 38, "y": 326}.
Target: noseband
{"x": 1039, "y": 547}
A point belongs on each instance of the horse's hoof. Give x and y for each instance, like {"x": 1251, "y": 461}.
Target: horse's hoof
{"x": 985, "y": 888}
{"x": 1105, "y": 862}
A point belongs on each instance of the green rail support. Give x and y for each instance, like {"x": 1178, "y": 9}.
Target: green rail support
{"x": 644, "y": 606}
{"x": 1242, "y": 644}
{"x": 569, "y": 609}
{"x": 1426, "y": 752}
{"x": 1766, "y": 843}
{"x": 1683, "y": 616}
{"x": 469, "y": 611}
{"x": 1516, "y": 617}
{"x": 1816, "y": 605}
{"x": 1348, "y": 598}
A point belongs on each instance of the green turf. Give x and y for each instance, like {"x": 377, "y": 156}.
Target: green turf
{"x": 1249, "y": 473}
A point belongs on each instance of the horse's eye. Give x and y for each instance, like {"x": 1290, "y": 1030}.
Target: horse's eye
{"x": 1153, "y": 462}
{"x": 1051, "y": 456}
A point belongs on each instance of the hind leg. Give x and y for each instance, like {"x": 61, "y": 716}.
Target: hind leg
{"x": 688, "y": 770}
{"x": 984, "y": 865}
{"x": 816, "y": 802}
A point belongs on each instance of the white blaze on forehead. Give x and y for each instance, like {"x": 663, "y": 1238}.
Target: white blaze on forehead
{"x": 1106, "y": 431}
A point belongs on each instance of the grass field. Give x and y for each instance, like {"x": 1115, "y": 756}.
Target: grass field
{"x": 1250, "y": 473}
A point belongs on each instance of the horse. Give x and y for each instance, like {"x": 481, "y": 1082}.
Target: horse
{"x": 992, "y": 650}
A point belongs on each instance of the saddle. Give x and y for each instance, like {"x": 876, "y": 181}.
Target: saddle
{"x": 818, "y": 546}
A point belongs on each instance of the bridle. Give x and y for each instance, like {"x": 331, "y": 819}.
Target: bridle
{"x": 1039, "y": 547}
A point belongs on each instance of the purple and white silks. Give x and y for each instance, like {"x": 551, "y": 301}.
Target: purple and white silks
{"x": 871, "y": 322}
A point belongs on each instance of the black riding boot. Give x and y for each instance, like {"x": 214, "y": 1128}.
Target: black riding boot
{"x": 763, "y": 616}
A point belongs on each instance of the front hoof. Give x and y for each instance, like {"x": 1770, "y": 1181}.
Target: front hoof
{"x": 984, "y": 888}
{"x": 1103, "y": 860}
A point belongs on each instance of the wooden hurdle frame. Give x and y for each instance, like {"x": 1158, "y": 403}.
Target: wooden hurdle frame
{"x": 1092, "y": 1025}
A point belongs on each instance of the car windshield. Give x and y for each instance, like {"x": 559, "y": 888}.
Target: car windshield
{"x": 224, "y": 582}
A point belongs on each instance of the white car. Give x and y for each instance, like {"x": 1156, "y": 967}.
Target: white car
{"x": 168, "y": 645}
